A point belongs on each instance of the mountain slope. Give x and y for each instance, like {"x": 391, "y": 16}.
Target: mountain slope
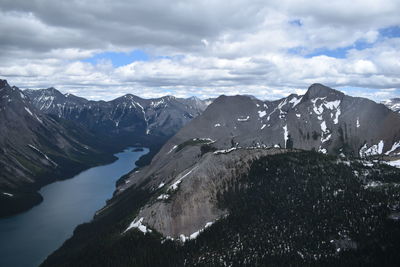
{"x": 184, "y": 190}
{"x": 36, "y": 149}
{"x": 286, "y": 209}
{"x": 323, "y": 119}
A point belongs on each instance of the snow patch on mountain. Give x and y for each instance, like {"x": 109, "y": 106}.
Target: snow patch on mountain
{"x": 29, "y": 111}
{"x": 322, "y": 150}
{"x": 329, "y": 105}
{"x": 243, "y": 118}
{"x": 395, "y": 146}
{"x": 376, "y": 149}
{"x": 295, "y": 101}
{"x": 175, "y": 185}
{"x": 261, "y": 114}
{"x": 163, "y": 197}
{"x": 172, "y": 149}
{"x": 337, "y": 114}
{"x": 285, "y": 134}
{"x": 224, "y": 151}
{"x": 43, "y": 154}
{"x": 184, "y": 238}
{"x": 138, "y": 225}
{"x": 394, "y": 163}
{"x": 323, "y": 126}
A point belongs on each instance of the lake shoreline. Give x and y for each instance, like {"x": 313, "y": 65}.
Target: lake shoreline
{"x": 25, "y": 199}
{"x": 67, "y": 203}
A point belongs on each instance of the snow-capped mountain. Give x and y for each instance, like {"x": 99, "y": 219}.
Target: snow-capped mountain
{"x": 393, "y": 104}
{"x": 127, "y": 114}
{"x": 323, "y": 119}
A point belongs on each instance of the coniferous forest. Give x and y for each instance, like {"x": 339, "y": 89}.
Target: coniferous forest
{"x": 293, "y": 209}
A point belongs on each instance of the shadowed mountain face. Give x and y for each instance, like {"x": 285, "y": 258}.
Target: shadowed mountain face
{"x": 46, "y": 135}
{"x": 36, "y": 149}
{"x": 127, "y": 114}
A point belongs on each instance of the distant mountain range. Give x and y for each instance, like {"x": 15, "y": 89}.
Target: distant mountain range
{"x": 126, "y": 114}
{"x": 46, "y": 135}
{"x": 393, "y": 104}
{"x": 238, "y": 185}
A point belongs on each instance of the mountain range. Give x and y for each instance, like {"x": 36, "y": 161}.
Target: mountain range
{"x": 324, "y": 120}
{"x": 126, "y": 114}
{"x": 46, "y": 135}
{"x": 303, "y": 180}
{"x": 296, "y": 181}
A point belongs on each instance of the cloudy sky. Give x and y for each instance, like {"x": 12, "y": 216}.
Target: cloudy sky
{"x": 104, "y": 49}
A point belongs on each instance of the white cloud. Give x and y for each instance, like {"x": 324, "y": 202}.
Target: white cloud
{"x": 212, "y": 48}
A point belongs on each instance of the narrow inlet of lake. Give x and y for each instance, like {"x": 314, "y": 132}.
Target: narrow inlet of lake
{"x": 28, "y": 238}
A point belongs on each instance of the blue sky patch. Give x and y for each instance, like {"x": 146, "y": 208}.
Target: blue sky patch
{"x": 390, "y": 32}
{"x": 339, "y": 52}
{"x": 296, "y": 22}
{"x": 119, "y": 58}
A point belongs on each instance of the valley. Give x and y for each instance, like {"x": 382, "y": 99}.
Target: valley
{"x": 43, "y": 141}
{"x": 192, "y": 203}
{"x": 29, "y": 237}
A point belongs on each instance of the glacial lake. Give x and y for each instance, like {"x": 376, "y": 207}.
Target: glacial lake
{"x": 26, "y": 239}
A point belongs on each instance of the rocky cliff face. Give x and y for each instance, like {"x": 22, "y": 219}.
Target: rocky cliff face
{"x": 189, "y": 203}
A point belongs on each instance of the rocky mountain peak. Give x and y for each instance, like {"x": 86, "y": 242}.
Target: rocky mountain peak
{"x": 393, "y": 104}
{"x": 3, "y": 83}
{"x": 320, "y": 90}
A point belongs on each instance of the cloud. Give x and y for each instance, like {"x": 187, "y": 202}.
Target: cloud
{"x": 203, "y": 48}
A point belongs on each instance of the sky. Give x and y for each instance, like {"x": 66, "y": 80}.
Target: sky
{"x": 102, "y": 49}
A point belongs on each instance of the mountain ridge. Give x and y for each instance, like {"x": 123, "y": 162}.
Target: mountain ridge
{"x": 331, "y": 120}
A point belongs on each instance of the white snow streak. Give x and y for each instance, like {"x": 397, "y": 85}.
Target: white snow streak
{"x": 244, "y": 119}
{"x": 395, "y": 146}
{"x": 28, "y": 110}
{"x": 262, "y": 113}
{"x": 138, "y": 224}
{"x": 285, "y": 134}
